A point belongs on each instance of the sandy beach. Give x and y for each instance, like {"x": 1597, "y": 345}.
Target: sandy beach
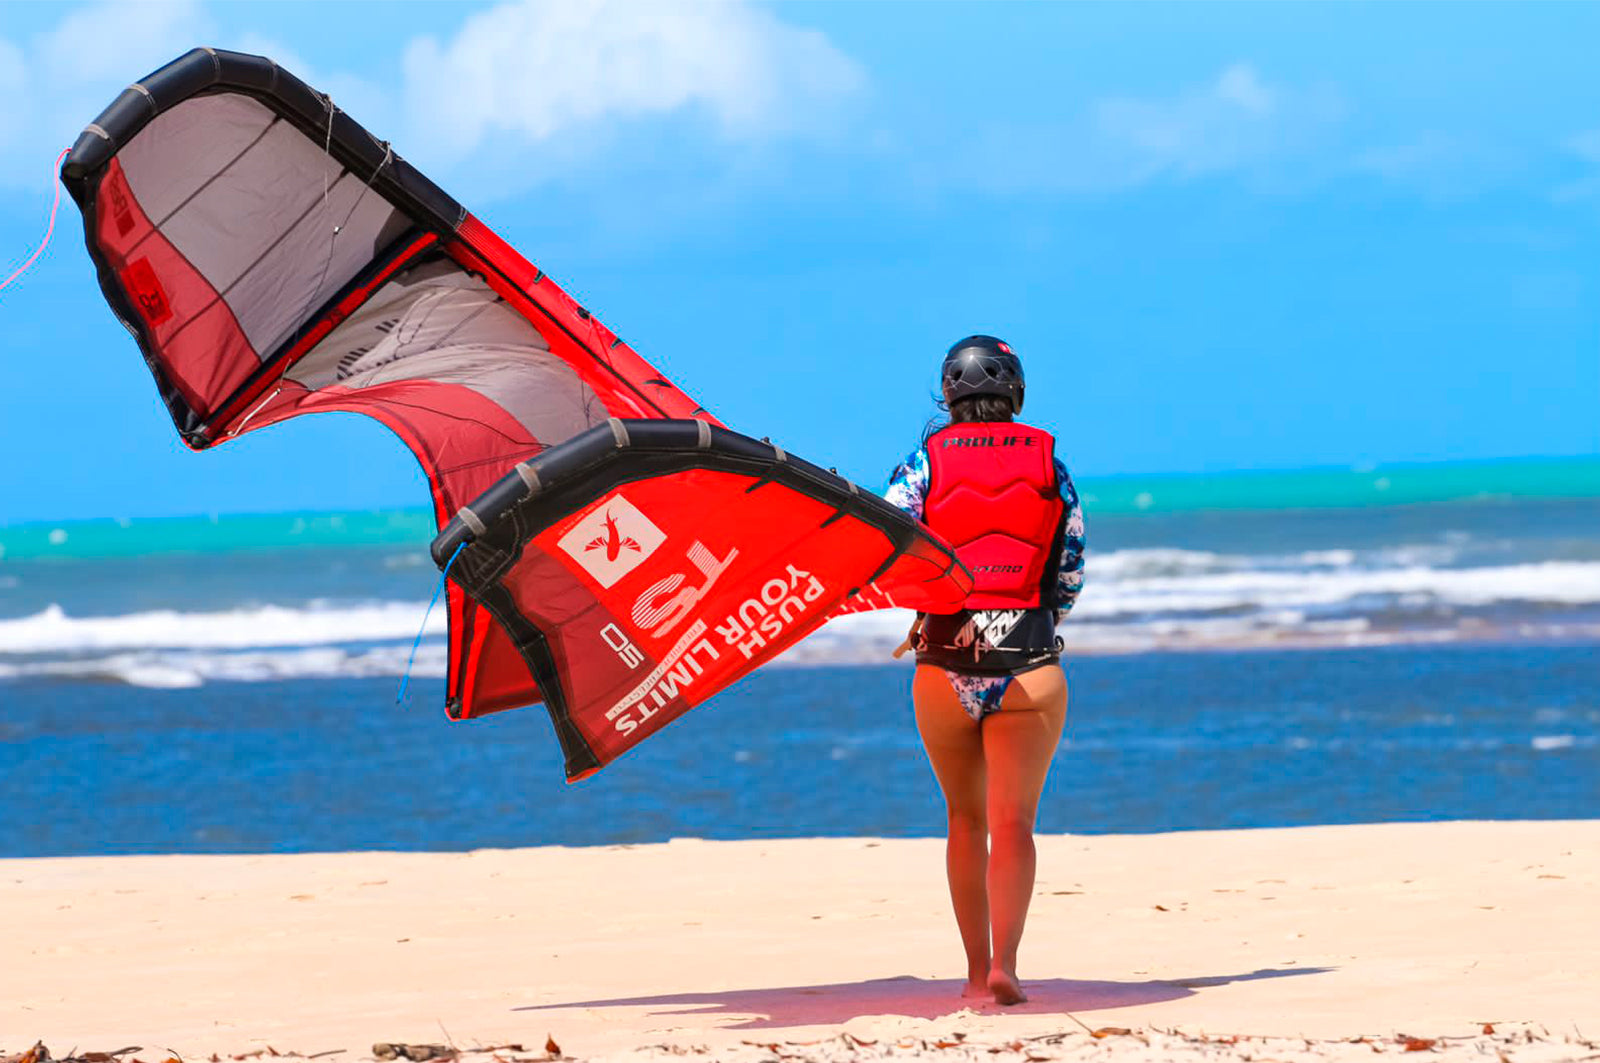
{"x": 748, "y": 949}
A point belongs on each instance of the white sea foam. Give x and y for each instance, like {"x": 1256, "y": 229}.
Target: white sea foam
{"x": 1550, "y": 743}
{"x": 324, "y": 623}
{"x": 1156, "y": 563}
{"x": 1159, "y": 562}
{"x": 871, "y": 637}
{"x": 1135, "y": 600}
{"x": 177, "y": 669}
{"x": 1552, "y": 582}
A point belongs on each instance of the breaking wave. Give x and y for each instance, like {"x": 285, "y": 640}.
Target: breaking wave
{"x": 320, "y": 623}
{"x": 1136, "y": 600}
{"x": 181, "y": 669}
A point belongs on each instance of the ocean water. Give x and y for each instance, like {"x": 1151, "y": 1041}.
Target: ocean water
{"x": 1164, "y": 741}
{"x": 230, "y": 684}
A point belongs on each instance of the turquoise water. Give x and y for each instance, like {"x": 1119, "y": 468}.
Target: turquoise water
{"x": 1381, "y": 485}
{"x": 214, "y": 534}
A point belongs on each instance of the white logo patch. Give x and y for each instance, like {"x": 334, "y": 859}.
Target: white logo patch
{"x": 612, "y": 541}
{"x": 988, "y": 628}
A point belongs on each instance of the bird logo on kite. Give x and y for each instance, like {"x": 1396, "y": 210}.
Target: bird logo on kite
{"x": 613, "y": 542}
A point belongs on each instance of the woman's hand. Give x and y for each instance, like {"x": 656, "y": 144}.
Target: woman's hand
{"x": 911, "y": 637}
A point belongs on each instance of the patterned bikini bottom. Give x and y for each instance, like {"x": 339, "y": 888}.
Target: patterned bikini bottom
{"x": 979, "y": 694}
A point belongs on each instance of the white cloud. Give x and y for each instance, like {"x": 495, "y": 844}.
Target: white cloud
{"x": 1240, "y": 86}
{"x": 57, "y": 82}
{"x": 512, "y": 82}
{"x": 536, "y": 68}
{"x": 1441, "y": 166}
{"x": 116, "y": 42}
{"x": 1399, "y": 162}
{"x": 13, "y": 82}
{"x": 367, "y": 102}
{"x": 1235, "y": 121}
{"x": 1585, "y": 146}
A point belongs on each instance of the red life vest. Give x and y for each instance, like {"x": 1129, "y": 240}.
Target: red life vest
{"x": 993, "y": 495}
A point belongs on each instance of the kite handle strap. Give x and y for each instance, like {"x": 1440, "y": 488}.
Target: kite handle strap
{"x": 405, "y": 680}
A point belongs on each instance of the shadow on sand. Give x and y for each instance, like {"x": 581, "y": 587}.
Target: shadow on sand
{"x": 829, "y": 1005}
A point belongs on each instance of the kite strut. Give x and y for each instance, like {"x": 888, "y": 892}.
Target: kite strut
{"x": 49, "y": 229}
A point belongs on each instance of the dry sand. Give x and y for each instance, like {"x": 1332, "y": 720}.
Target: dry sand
{"x": 1312, "y": 935}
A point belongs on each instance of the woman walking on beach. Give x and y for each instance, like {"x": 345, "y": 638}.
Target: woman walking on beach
{"x": 990, "y": 693}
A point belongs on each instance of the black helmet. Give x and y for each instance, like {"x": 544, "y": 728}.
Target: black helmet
{"x": 982, "y": 365}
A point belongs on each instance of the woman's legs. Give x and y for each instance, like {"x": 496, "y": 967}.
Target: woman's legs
{"x": 955, "y": 747}
{"x": 1018, "y": 744}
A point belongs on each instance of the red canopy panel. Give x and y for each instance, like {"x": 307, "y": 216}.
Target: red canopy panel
{"x": 273, "y": 258}
{"x": 647, "y": 564}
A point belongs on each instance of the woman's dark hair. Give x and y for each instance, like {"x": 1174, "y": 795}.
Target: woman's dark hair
{"x": 967, "y": 410}
{"x": 980, "y": 408}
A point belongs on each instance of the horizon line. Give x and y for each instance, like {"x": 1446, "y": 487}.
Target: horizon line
{"x": 1115, "y": 492}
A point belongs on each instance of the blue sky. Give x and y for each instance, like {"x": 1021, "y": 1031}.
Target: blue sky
{"x": 1221, "y": 237}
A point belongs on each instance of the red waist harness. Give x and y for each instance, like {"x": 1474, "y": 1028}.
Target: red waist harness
{"x": 993, "y": 495}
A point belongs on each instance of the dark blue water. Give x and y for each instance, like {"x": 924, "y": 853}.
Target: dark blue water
{"x": 1155, "y": 742}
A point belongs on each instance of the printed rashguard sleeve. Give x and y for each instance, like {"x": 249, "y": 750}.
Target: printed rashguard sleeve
{"x": 1069, "y": 583}
{"x": 908, "y": 486}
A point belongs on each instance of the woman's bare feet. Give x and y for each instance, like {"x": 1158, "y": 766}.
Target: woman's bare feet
{"x": 977, "y": 986}
{"x": 1005, "y": 987}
